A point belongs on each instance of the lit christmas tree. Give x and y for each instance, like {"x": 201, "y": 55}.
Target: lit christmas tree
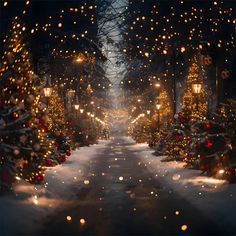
{"x": 57, "y": 130}
{"x": 178, "y": 137}
{"x": 23, "y": 145}
{"x": 56, "y": 112}
{"x": 160, "y": 122}
{"x": 141, "y": 130}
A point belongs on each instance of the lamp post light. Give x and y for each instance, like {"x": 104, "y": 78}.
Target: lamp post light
{"x": 197, "y": 87}
{"x": 158, "y": 106}
{"x": 47, "y": 90}
{"x": 76, "y": 106}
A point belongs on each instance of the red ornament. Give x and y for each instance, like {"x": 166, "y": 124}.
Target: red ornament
{"x": 207, "y": 60}
{"x": 207, "y": 125}
{"x": 225, "y": 74}
{"x": 177, "y": 137}
{"x": 48, "y": 163}
{"x": 61, "y": 159}
{"x": 40, "y": 178}
{"x": 56, "y": 144}
{"x": 61, "y": 134}
{"x": 208, "y": 143}
{"x": 68, "y": 153}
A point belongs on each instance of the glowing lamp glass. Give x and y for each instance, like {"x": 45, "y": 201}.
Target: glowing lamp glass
{"x": 197, "y": 87}
{"x": 47, "y": 91}
{"x": 158, "y": 106}
{"x": 76, "y": 106}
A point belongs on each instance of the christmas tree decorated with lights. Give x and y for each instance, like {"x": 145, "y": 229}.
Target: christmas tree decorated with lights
{"x": 23, "y": 127}
{"x": 141, "y": 130}
{"x": 226, "y": 116}
{"x": 160, "y": 122}
{"x": 178, "y": 136}
{"x": 57, "y": 130}
{"x": 56, "y": 112}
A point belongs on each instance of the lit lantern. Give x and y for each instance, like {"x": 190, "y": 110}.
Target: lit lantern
{"x": 81, "y": 111}
{"x": 76, "y": 106}
{"x": 197, "y": 87}
{"x": 158, "y": 106}
{"x": 47, "y": 88}
{"x": 225, "y": 74}
{"x": 47, "y": 91}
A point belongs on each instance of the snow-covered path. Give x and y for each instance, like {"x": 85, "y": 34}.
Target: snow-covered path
{"x": 119, "y": 188}
{"x": 24, "y": 213}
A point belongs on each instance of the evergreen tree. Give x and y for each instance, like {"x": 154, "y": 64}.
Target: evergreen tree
{"x": 23, "y": 129}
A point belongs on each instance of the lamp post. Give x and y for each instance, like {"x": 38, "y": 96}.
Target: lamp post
{"x": 47, "y": 90}
{"x": 173, "y": 59}
{"x": 76, "y": 106}
{"x": 197, "y": 87}
{"x": 158, "y": 106}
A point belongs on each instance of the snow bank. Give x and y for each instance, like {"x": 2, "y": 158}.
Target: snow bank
{"x": 215, "y": 198}
{"x": 24, "y": 212}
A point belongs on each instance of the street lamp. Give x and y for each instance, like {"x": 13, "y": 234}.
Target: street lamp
{"x": 76, "y": 107}
{"x": 197, "y": 87}
{"x": 158, "y": 106}
{"x": 47, "y": 89}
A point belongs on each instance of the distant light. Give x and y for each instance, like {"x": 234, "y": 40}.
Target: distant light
{"x": 158, "y": 106}
{"x": 86, "y": 181}
{"x": 121, "y": 178}
{"x": 182, "y": 49}
{"x": 68, "y": 218}
{"x": 221, "y": 171}
{"x": 165, "y": 51}
{"x": 82, "y": 221}
{"x": 184, "y": 227}
{"x": 76, "y": 106}
{"x": 79, "y": 59}
{"x": 59, "y": 25}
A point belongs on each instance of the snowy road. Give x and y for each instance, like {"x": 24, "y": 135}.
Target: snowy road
{"x": 120, "y": 196}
